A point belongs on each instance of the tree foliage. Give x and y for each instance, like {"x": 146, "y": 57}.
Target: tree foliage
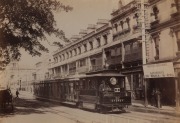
{"x": 24, "y": 24}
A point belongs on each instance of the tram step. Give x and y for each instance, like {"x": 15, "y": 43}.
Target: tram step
{"x": 70, "y": 103}
{"x": 89, "y": 105}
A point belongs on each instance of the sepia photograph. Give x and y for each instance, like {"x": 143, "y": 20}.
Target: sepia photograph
{"x": 89, "y": 61}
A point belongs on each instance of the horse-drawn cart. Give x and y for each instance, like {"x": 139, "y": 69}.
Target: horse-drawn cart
{"x": 6, "y": 100}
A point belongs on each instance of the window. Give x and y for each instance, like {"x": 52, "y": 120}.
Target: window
{"x": 127, "y": 49}
{"x": 116, "y": 27}
{"x": 91, "y": 45}
{"x": 75, "y": 52}
{"x": 177, "y": 2}
{"x": 121, "y": 23}
{"x": 56, "y": 59}
{"x": 72, "y": 66}
{"x": 105, "y": 39}
{"x": 128, "y": 21}
{"x": 71, "y": 53}
{"x": 98, "y": 42}
{"x": 79, "y": 49}
{"x": 63, "y": 57}
{"x": 60, "y": 58}
{"x": 14, "y": 64}
{"x": 136, "y": 17}
{"x": 85, "y": 47}
{"x": 118, "y": 51}
{"x": 156, "y": 41}
{"x": 82, "y": 62}
{"x": 93, "y": 62}
{"x": 108, "y": 53}
{"x": 67, "y": 54}
{"x": 178, "y": 39}
{"x": 135, "y": 45}
{"x": 155, "y": 12}
{"x": 113, "y": 52}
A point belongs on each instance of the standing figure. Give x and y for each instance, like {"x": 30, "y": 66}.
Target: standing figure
{"x": 104, "y": 86}
{"x": 158, "y": 98}
{"x": 153, "y": 97}
{"x": 17, "y": 94}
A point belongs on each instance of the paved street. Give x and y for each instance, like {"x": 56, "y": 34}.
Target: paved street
{"x": 29, "y": 110}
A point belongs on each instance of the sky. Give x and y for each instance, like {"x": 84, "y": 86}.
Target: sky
{"x": 84, "y": 12}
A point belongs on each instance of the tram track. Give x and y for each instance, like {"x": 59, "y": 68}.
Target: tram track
{"x": 132, "y": 116}
{"x": 73, "y": 115}
{"x": 149, "y": 117}
{"x": 80, "y": 116}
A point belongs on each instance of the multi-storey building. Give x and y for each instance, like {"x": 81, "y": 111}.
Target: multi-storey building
{"x": 126, "y": 36}
{"x": 42, "y": 71}
{"x": 84, "y": 53}
{"x": 16, "y": 76}
{"x": 116, "y": 44}
{"x": 163, "y": 69}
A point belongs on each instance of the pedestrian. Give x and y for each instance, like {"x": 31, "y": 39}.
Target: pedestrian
{"x": 17, "y": 94}
{"x": 153, "y": 97}
{"x": 158, "y": 98}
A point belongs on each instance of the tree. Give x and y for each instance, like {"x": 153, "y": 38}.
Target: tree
{"x": 25, "y": 24}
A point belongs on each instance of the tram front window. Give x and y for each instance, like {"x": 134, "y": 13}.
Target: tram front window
{"x": 104, "y": 87}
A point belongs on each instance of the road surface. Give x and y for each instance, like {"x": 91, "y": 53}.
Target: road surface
{"x": 30, "y": 110}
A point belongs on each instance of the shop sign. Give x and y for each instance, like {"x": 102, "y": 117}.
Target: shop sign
{"x": 159, "y": 70}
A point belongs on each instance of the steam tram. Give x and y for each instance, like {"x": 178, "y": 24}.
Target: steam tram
{"x": 102, "y": 91}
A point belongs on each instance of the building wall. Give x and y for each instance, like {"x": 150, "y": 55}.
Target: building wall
{"x": 167, "y": 39}
{"x": 124, "y": 31}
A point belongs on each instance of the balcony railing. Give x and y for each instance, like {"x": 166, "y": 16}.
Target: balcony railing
{"x": 96, "y": 67}
{"x": 72, "y": 71}
{"x": 114, "y": 60}
{"x": 83, "y": 69}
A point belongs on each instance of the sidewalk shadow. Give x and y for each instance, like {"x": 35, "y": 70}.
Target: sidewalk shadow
{"x": 26, "y": 107}
{"x": 154, "y": 110}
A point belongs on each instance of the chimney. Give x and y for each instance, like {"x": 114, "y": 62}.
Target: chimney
{"x": 82, "y": 32}
{"x": 102, "y": 22}
{"x": 120, "y": 4}
{"x": 75, "y": 37}
{"x": 91, "y": 27}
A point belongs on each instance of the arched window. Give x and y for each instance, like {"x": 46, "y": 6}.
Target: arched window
{"x": 121, "y": 23}
{"x": 127, "y": 21}
{"x": 155, "y": 12}
{"x": 116, "y": 27}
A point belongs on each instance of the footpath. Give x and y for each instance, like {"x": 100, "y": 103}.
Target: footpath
{"x": 136, "y": 107}
{"x": 166, "y": 110}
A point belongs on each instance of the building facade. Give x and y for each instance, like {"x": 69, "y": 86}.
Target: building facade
{"x": 163, "y": 50}
{"x": 18, "y": 77}
{"x": 117, "y": 44}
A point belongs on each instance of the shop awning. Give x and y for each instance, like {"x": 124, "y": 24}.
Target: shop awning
{"x": 159, "y": 70}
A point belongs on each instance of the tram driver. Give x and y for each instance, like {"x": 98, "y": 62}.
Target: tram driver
{"x": 104, "y": 86}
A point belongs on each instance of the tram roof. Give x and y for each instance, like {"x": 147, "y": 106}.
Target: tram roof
{"x": 77, "y": 77}
{"x": 106, "y": 75}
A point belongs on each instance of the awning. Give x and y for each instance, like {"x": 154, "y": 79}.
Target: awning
{"x": 159, "y": 70}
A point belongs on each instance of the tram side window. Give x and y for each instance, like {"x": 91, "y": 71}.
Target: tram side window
{"x": 92, "y": 84}
{"x": 121, "y": 84}
{"x": 86, "y": 85}
{"x": 80, "y": 85}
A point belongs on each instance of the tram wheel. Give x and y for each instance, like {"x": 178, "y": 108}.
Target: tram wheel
{"x": 103, "y": 110}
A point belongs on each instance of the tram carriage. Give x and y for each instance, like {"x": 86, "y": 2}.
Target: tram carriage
{"x": 88, "y": 91}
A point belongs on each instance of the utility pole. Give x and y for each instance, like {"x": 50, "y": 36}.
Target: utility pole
{"x": 142, "y": 7}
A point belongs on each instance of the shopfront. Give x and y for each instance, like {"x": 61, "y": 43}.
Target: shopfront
{"x": 161, "y": 76}
{"x": 134, "y": 82}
